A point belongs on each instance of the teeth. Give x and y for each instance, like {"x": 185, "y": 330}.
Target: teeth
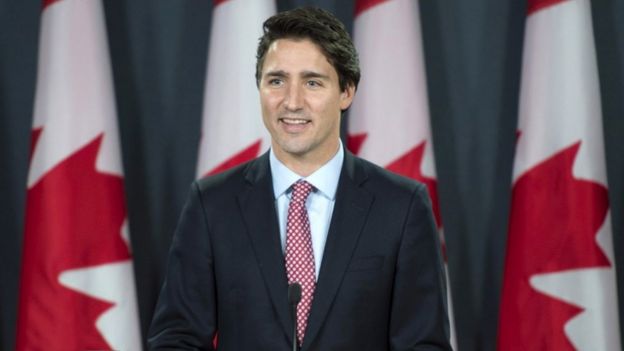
{"x": 294, "y": 121}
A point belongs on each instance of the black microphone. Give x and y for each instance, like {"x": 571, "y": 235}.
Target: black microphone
{"x": 294, "y": 296}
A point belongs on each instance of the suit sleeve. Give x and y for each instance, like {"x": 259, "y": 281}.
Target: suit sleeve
{"x": 419, "y": 319}
{"x": 185, "y": 315}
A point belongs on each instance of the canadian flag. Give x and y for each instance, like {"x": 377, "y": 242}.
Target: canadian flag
{"x": 77, "y": 288}
{"x": 389, "y": 119}
{"x": 559, "y": 289}
{"x": 232, "y": 129}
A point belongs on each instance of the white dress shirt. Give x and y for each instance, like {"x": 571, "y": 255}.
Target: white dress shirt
{"x": 320, "y": 203}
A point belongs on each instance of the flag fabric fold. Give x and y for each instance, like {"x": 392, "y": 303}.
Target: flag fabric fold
{"x": 389, "y": 120}
{"x": 77, "y": 288}
{"x": 559, "y": 288}
{"x": 232, "y": 129}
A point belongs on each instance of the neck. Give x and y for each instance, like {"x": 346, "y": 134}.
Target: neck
{"x": 305, "y": 164}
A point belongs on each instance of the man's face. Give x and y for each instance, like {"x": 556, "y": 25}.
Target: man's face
{"x": 301, "y": 101}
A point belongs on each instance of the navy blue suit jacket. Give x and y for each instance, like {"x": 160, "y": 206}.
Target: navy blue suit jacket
{"x": 381, "y": 284}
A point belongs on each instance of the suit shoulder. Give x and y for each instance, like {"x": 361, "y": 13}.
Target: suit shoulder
{"x": 387, "y": 180}
{"x": 394, "y": 190}
{"x": 224, "y": 181}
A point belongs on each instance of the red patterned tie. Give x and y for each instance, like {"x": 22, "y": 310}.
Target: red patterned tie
{"x": 299, "y": 254}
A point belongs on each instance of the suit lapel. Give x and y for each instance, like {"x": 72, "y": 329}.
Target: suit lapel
{"x": 257, "y": 204}
{"x": 348, "y": 218}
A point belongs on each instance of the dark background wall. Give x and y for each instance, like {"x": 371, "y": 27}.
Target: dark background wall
{"x": 159, "y": 49}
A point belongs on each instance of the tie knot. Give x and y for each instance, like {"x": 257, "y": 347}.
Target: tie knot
{"x": 301, "y": 190}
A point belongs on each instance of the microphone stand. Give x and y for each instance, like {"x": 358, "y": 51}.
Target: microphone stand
{"x": 294, "y": 296}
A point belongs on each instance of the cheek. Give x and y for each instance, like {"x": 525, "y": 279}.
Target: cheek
{"x": 321, "y": 104}
{"x": 267, "y": 103}
{"x": 331, "y": 107}
{"x": 266, "y": 109}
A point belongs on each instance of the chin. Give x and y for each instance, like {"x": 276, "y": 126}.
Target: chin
{"x": 295, "y": 149}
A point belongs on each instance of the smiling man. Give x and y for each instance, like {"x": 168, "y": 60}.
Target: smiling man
{"x": 360, "y": 242}
{"x": 301, "y": 102}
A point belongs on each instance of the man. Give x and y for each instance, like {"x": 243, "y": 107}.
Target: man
{"x": 360, "y": 241}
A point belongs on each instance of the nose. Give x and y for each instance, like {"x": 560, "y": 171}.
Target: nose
{"x": 294, "y": 98}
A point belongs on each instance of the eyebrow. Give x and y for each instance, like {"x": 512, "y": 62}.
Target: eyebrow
{"x": 304, "y": 74}
{"x": 312, "y": 74}
{"x": 277, "y": 73}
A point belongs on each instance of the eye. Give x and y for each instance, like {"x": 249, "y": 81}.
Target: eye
{"x": 275, "y": 82}
{"x": 314, "y": 83}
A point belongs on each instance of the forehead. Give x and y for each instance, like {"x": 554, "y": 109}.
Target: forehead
{"x": 296, "y": 54}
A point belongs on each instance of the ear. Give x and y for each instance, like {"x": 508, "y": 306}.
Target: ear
{"x": 346, "y": 97}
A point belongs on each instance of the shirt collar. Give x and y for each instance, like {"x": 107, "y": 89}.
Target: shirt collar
{"x": 324, "y": 179}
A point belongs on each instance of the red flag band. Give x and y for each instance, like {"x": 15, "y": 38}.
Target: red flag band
{"x": 559, "y": 288}
{"x": 77, "y": 289}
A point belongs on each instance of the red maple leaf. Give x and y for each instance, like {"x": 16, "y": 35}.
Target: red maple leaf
{"x": 47, "y": 3}
{"x": 409, "y": 165}
{"x": 247, "y": 154}
{"x": 355, "y": 142}
{"x": 537, "y": 5}
{"x": 34, "y": 138}
{"x": 74, "y": 216}
{"x": 553, "y": 226}
{"x": 363, "y": 5}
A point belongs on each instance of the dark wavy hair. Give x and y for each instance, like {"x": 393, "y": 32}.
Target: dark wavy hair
{"x": 323, "y": 29}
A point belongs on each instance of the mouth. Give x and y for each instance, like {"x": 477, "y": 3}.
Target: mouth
{"x": 294, "y": 125}
{"x": 294, "y": 121}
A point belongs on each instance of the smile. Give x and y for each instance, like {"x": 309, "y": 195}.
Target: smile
{"x": 294, "y": 121}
